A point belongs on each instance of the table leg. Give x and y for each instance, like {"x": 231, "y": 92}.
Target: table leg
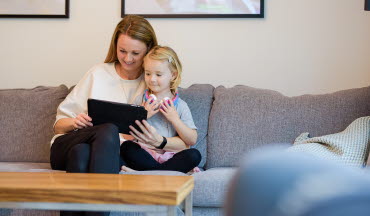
{"x": 189, "y": 205}
{"x": 171, "y": 211}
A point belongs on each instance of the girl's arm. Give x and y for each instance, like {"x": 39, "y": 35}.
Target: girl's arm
{"x": 187, "y": 134}
{"x": 175, "y": 144}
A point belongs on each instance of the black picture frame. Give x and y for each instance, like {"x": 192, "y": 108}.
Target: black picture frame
{"x": 196, "y": 15}
{"x": 38, "y": 15}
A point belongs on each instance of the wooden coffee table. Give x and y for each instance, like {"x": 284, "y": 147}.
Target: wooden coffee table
{"x": 153, "y": 194}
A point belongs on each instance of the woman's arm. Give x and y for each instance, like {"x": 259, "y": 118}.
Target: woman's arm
{"x": 150, "y": 137}
{"x": 66, "y": 125}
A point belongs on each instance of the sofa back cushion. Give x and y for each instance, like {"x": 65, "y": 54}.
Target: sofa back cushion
{"x": 27, "y": 117}
{"x": 199, "y": 98}
{"x": 243, "y": 118}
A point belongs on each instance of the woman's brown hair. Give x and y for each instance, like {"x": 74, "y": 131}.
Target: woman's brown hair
{"x": 137, "y": 28}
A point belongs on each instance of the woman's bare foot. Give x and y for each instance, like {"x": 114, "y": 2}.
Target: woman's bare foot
{"x": 126, "y": 169}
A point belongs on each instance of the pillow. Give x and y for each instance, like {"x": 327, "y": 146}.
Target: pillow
{"x": 27, "y": 117}
{"x": 348, "y": 147}
{"x": 199, "y": 98}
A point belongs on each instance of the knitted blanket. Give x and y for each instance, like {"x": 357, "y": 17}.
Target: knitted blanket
{"x": 347, "y": 147}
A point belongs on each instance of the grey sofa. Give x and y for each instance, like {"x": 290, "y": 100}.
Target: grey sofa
{"x": 230, "y": 121}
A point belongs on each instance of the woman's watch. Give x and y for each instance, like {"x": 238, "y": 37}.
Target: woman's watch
{"x": 163, "y": 144}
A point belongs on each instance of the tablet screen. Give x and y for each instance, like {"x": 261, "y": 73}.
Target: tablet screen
{"x": 121, "y": 114}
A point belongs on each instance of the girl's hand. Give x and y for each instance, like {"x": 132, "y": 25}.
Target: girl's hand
{"x": 151, "y": 106}
{"x": 81, "y": 121}
{"x": 169, "y": 111}
{"x": 148, "y": 136}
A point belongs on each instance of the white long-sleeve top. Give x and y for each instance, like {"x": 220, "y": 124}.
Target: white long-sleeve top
{"x": 100, "y": 82}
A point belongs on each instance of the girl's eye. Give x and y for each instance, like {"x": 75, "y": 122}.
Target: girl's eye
{"x": 136, "y": 53}
{"x": 122, "y": 51}
{"x": 159, "y": 75}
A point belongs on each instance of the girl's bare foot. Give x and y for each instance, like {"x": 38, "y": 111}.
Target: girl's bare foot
{"x": 126, "y": 169}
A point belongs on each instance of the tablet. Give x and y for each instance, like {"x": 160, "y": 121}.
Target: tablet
{"x": 121, "y": 114}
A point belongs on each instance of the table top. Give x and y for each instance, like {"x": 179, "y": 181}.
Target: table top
{"x": 94, "y": 188}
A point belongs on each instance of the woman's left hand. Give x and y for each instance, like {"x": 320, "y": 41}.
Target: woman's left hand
{"x": 149, "y": 134}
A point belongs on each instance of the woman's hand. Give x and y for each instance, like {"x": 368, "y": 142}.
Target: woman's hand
{"x": 151, "y": 106}
{"x": 149, "y": 134}
{"x": 169, "y": 111}
{"x": 81, "y": 121}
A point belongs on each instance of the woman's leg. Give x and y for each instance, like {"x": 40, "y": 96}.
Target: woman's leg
{"x": 90, "y": 150}
{"x": 104, "y": 150}
{"x": 78, "y": 158}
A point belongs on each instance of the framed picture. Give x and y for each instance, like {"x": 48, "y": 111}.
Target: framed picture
{"x": 194, "y": 8}
{"x": 34, "y": 8}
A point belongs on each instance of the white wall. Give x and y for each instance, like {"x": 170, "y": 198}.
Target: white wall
{"x": 300, "y": 47}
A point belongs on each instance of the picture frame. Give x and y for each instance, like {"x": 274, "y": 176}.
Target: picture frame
{"x": 34, "y": 9}
{"x": 194, "y": 8}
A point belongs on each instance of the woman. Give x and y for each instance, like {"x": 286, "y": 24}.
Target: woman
{"x": 80, "y": 147}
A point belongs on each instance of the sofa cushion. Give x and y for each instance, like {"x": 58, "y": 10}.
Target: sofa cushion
{"x": 154, "y": 172}
{"x": 27, "y": 117}
{"x": 346, "y": 147}
{"x": 26, "y": 167}
{"x": 199, "y": 98}
{"x": 211, "y": 186}
{"x": 243, "y": 118}
{"x": 28, "y": 212}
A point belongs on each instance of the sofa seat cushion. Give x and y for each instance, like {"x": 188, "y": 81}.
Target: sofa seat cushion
{"x": 26, "y": 167}
{"x": 154, "y": 172}
{"x": 211, "y": 186}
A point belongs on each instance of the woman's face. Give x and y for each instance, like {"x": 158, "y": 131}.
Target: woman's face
{"x": 130, "y": 53}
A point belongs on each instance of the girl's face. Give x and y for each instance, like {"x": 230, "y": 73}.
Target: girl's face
{"x": 158, "y": 76}
{"x": 130, "y": 53}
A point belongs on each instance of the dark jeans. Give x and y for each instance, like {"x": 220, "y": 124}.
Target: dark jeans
{"x": 139, "y": 159}
{"x": 89, "y": 150}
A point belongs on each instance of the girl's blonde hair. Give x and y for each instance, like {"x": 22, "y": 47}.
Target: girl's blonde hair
{"x": 164, "y": 53}
{"x": 137, "y": 28}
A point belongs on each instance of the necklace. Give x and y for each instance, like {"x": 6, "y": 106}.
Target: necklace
{"x": 129, "y": 83}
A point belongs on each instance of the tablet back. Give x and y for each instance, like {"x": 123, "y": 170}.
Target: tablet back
{"x": 121, "y": 114}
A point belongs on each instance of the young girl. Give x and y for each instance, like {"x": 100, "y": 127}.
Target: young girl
{"x": 168, "y": 114}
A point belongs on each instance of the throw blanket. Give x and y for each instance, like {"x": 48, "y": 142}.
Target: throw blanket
{"x": 348, "y": 147}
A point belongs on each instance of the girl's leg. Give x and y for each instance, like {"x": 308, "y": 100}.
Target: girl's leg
{"x": 139, "y": 159}
{"x": 136, "y": 157}
{"x": 183, "y": 161}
